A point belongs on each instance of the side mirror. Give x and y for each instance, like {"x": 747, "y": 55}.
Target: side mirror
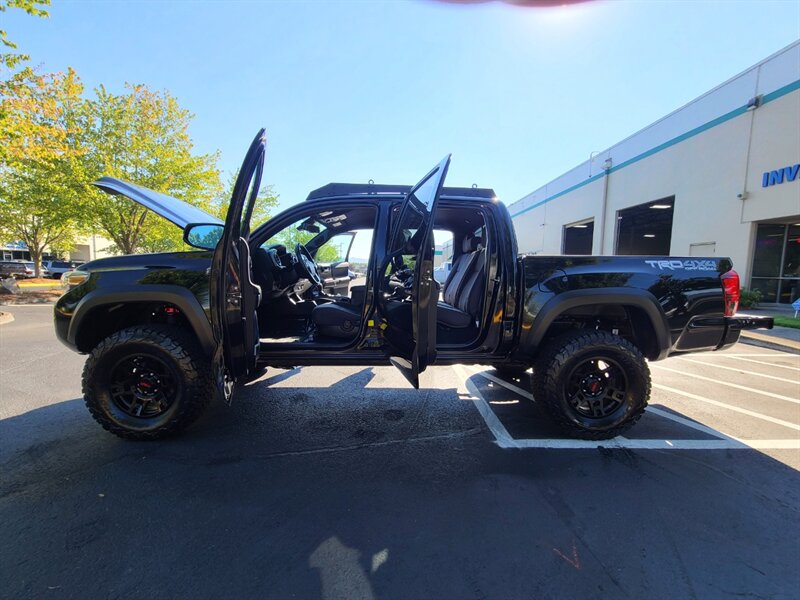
{"x": 205, "y": 236}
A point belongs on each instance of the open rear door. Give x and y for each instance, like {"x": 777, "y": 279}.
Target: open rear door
{"x": 233, "y": 295}
{"x": 412, "y": 351}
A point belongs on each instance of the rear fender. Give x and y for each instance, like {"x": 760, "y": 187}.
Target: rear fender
{"x": 556, "y": 306}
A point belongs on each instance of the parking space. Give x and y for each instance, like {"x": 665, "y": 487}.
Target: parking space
{"x": 739, "y": 398}
{"x": 345, "y": 483}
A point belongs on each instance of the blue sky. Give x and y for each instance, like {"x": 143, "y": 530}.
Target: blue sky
{"x": 352, "y": 91}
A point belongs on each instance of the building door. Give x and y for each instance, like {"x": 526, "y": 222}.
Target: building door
{"x": 577, "y": 238}
{"x": 646, "y": 229}
{"x": 776, "y": 262}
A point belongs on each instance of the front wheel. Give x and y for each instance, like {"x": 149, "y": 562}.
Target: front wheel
{"x": 594, "y": 384}
{"x": 146, "y": 382}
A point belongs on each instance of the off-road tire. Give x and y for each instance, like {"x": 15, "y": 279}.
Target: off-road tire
{"x": 181, "y": 356}
{"x": 564, "y": 355}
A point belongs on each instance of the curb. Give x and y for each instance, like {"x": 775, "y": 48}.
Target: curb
{"x": 770, "y": 343}
{"x": 6, "y": 318}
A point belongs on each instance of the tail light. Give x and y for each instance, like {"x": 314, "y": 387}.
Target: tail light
{"x": 730, "y": 289}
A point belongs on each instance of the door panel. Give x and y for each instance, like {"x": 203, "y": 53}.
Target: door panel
{"x": 234, "y": 296}
{"x": 412, "y": 351}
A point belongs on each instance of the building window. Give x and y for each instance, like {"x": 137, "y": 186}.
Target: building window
{"x": 578, "y": 237}
{"x": 776, "y": 262}
{"x": 646, "y": 229}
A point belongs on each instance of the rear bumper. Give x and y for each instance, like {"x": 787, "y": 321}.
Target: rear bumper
{"x": 717, "y": 333}
{"x": 735, "y": 325}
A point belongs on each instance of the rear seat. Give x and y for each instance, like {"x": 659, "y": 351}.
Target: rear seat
{"x": 463, "y": 290}
{"x": 460, "y": 270}
{"x": 462, "y": 293}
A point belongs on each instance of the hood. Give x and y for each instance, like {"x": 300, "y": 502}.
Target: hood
{"x": 176, "y": 211}
{"x": 191, "y": 260}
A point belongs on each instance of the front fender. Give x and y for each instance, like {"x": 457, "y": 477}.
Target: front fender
{"x": 178, "y": 296}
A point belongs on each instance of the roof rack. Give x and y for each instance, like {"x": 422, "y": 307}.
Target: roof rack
{"x": 377, "y": 189}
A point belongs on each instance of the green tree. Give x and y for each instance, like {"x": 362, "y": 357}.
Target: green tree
{"x": 142, "y": 136}
{"x": 41, "y": 199}
{"x": 291, "y": 236}
{"x": 266, "y": 202}
{"x": 32, "y": 7}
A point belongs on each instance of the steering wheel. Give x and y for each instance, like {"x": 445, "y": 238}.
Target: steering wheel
{"x": 306, "y": 266}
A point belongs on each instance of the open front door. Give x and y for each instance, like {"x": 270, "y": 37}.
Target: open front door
{"x": 412, "y": 351}
{"x": 233, "y": 295}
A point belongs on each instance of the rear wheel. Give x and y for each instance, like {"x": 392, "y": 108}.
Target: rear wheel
{"x": 146, "y": 382}
{"x": 594, "y": 384}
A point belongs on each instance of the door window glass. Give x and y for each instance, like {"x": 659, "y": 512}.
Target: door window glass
{"x": 335, "y": 250}
{"x": 767, "y": 256}
{"x": 444, "y": 246}
{"x": 776, "y": 262}
{"x": 791, "y": 256}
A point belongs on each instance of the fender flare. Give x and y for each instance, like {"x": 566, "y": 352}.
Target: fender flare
{"x": 638, "y": 298}
{"x": 178, "y": 296}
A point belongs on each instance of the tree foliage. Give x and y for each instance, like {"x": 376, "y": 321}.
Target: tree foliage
{"x": 33, "y": 7}
{"x": 266, "y": 201}
{"x": 142, "y": 136}
{"x": 41, "y": 166}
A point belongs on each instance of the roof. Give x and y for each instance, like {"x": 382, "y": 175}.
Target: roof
{"x": 333, "y": 190}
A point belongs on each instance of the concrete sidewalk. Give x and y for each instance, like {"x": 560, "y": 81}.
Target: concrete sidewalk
{"x": 777, "y": 338}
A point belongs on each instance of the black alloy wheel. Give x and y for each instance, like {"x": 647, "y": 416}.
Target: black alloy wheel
{"x": 142, "y": 386}
{"x": 594, "y": 384}
{"x": 596, "y": 387}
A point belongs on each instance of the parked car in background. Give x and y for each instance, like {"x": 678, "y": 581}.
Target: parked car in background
{"x": 441, "y": 272}
{"x": 56, "y": 268}
{"x": 10, "y": 268}
{"x": 30, "y": 269}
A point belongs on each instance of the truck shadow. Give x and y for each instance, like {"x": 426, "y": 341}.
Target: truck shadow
{"x": 361, "y": 491}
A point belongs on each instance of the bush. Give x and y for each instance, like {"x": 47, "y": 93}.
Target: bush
{"x": 749, "y": 298}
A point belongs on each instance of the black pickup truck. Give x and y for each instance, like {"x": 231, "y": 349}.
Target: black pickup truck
{"x": 166, "y": 333}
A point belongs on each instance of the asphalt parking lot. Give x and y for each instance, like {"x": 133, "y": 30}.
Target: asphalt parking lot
{"x": 345, "y": 483}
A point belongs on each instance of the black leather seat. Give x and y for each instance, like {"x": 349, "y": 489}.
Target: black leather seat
{"x": 462, "y": 266}
{"x": 462, "y": 296}
{"x": 337, "y": 319}
{"x": 461, "y": 307}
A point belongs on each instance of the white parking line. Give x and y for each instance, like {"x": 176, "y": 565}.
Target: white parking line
{"x": 507, "y": 385}
{"x": 687, "y": 422}
{"x": 776, "y": 354}
{"x": 733, "y": 385}
{"x": 761, "y": 362}
{"x": 504, "y": 439}
{"x": 744, "y": 411}
{"x": 650, "y": 409}
{"x": 795, "y": 381}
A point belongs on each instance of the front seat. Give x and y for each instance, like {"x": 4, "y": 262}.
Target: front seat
{"x": 337, "y": 319}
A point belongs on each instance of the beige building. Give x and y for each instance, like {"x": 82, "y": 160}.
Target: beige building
{"x": 717, "y": 177}
{"x": 86, "y": 248}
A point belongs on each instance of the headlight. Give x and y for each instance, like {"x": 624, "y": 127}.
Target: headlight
{"x": 72, "y": 278}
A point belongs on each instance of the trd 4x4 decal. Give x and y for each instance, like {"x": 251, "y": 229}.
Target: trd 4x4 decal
{"x": 686, "y": 265}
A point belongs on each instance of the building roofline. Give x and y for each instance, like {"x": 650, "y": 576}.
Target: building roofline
{"x": 779, "y": 91}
